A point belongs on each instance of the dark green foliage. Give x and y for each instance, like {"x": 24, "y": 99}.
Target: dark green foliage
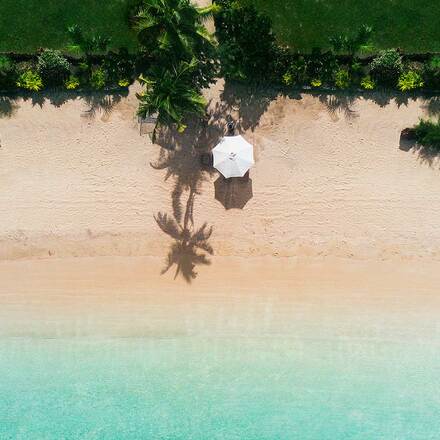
{"x": 119, "y": 66}
{"x": 181, "y": 57}
{"x": 342, "y": 79}
{"x": 53, "y": 67}
{"x": 431, "y": 73}
{"x": 428, "y": 134}
{"x": 247, "y": 44}
{"x": 387, "y": 67}
{"x": 8, "y": 73}
{"x": 321, "y": 66}
{"x": 296, "y": 73}
{"x": 98, "y": 78}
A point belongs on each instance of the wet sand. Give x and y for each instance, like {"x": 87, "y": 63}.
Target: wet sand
{"x": 124, "y": 297}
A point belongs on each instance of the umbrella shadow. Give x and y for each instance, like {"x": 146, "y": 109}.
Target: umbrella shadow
{"x": 235, "y": 192}
{"x": 190, "y": 247}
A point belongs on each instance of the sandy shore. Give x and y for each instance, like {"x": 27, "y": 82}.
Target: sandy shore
{"x": 123, "y": 297}
{"x": 78, "y": 179}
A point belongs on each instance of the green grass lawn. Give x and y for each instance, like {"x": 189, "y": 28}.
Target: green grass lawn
{"x": 413, "y": 25}
{"x": 26, "y": 25}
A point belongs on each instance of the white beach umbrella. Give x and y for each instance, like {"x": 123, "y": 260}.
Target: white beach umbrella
{"x": 233, "y": 156}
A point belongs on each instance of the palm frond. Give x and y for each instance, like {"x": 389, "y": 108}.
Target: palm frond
{"x": 209, "y": 11}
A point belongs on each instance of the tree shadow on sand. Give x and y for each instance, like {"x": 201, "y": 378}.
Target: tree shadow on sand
{"x": 246, "y": 103}
{"x": 343, "y": 102}
{"x": 8, "y": 107}
{"x": 340, "y": 103}
{"x": 432, "y": 106}
{"x": 101, "y": 103}
{"x": 190, "y": 247}
{"x": 97, "y": 102}
{"x": 425, "y": 154}
{"x": 180, "y": 158}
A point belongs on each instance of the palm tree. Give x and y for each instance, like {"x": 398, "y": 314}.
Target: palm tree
{"x": 353, "y": 45}
{"x": 81, "y": 43}
{"x": 174, "y": 26}
{"x": 170, "y": 95}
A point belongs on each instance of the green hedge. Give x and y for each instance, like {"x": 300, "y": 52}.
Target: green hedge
{"x": 249, "y": 52}
{"x": 427, "y": 133}
{"x": 50, "y": 69}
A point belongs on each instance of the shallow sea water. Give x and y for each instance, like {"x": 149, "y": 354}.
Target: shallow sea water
{"x": 283, "y": 372}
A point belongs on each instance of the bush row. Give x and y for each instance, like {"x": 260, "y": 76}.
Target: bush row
{"x": 249, "y": 52}
{"x": 50, "y": 68}
{"x": 427, "y": 133}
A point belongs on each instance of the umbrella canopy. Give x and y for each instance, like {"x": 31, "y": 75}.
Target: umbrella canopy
{"x": 233, "y": 156}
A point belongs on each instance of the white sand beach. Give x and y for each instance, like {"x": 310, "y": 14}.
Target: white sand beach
{"x": 330, "y": 180}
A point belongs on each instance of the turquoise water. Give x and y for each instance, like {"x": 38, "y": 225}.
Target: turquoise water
{"x": 216, "y": 386}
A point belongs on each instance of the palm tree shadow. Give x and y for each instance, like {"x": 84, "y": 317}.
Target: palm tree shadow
{"x": 8, "y": 107}
{"x": 432, "y": 106}
{"x": 190, "y": 247}
{"x": 101, "y": 103}
{"x": 340, "y": 103}
{"x": 180, "y": 157}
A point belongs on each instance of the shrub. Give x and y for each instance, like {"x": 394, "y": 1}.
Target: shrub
{"x": 118, "y": 65}
{"x": 98, "y": 78}
{"x": 356, "y": 68}
{"x": 288, "y": 79}
{"x": 296, "y": 72}
{"x": 387, "y": 67}
{"x": 8, "y": 73}
{"x": 342, "y": 79}
{"x": 428, "y": 134}
{"x": 72, "y": 83}
{"x": 431, "y": 73}
{"x": 53, "y": 67}
{"x": 321, "y": 65}
{"x": 316, "y": 82}
{"x": 30, "y": 80}
{"x": 123, "y": 83}
{"x": 367, "y": 83}
{"x": 410, "y": 80}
